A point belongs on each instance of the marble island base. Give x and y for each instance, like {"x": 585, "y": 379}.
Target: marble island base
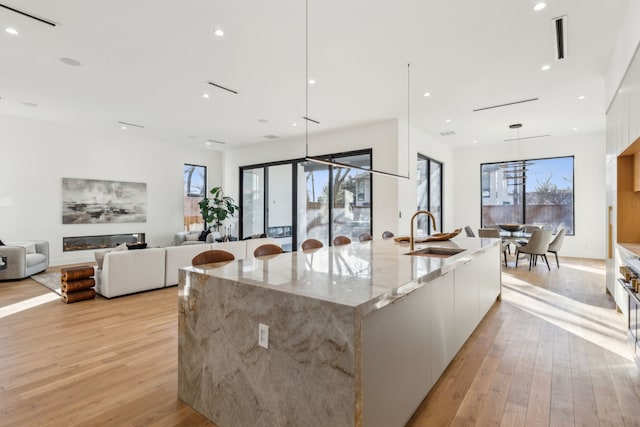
{"x": 344, "y": 349}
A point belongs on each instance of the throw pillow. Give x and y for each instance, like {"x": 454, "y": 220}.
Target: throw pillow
{"x": 203, "y": 235}
{"x": 120, "y": 247}
{"x": 29, "y": 247}
{"x": 133, "y": 246}
{"x": 99, "y": 255}
{"x": 192, "y": 237}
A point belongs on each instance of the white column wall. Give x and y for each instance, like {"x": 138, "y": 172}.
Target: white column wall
{"x": 628, "y": 41}
{"x": 589, "y": 181}
{"x": 36, "y": 155}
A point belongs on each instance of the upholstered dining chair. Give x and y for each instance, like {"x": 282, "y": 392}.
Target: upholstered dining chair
{"x": 267, "y": 249}
{"x": 365, "y": 237}
{"x": 494, "y": 233}
{"x": 556, "y": 244}
{"x": 537, "y": 246}
{"x": 387, "y": 235}
{"x": 311, "y": 244}
{"x": 341, "y": 240}
{"x": 211, "y": 256}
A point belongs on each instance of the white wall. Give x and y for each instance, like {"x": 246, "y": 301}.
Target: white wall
{"x": 36, "y": 155}
{"x": 623, "y": 53}
{"x": 388, "y": 141}
{"x": 589, "y": 178}
{"x": 407, "y": 190}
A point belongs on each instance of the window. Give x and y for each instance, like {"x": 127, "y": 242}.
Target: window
{"x": 429, "y": 177}
{"x": 195, "y": 188}
{"x": 311, "y": 200}
{"x": 535, "y": 191}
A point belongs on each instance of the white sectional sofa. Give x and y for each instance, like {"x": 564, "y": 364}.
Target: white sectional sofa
{"x": 131, "y": 271}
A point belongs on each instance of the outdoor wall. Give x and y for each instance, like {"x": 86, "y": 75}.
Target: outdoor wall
{"x": 36, "y": 155}
{"x": 589, "y": 178}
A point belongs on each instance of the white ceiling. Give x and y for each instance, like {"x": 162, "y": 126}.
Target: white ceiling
{"x": 148, "y": 62}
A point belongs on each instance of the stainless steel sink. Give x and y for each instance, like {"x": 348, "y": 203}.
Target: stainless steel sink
{"x": 436, "y": 251}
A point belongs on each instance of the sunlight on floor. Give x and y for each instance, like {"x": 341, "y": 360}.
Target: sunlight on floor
{"x": 600, "y": 326}
{"x": 598, "y": 271}
{"x": 27, "y": 304}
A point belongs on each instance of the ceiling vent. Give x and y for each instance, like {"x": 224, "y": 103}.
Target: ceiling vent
{"x": 560, "y": 33}
{"x": 130, "y": 124}
{"x": 271, "y": 136}
{"x": 219, "y": 86}
{"x": 28, "y": 15}
{"x": 526, "y": 137}
{"x": 447, "y": 133}
{"x": 216, "y": 142}
{"x": 506, "y": 104}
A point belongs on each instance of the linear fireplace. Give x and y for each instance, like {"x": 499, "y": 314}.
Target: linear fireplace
{"x": 83, "y": 243}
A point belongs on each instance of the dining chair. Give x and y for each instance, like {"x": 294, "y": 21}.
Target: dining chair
{"x": 365, "y": 237}
{"x": 494, "y": 233}
{"x": 556, "y": 244}
{"x": 468, "y": 231}
{"x": 267, "y": 249}
{"x": 537, "y": 246}
{"x": 387, "y": 235}
{"x": 311, "y": 244}
{"x": 211, "y": 256}
{"x": 341, "y": 240}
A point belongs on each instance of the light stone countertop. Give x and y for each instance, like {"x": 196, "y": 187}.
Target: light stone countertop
{"x": 367, "y": 276}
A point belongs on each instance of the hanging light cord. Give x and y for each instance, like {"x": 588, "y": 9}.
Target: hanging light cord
{"x": 306, "y": 112}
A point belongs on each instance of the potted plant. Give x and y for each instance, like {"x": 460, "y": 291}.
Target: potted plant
{"x": 217, "y": 208}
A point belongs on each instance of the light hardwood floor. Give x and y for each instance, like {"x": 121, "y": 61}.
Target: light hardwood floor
{"x": 552, "y": 352}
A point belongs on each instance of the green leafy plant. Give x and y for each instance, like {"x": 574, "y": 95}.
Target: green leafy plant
{"x": 217, "y": 208}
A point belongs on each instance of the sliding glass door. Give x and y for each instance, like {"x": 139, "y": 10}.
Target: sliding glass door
{"x": 351, "y": 197}
{"x": 319, "y": 201}
{"x": 429, "y": 177}
{"x": 313, "y": 202}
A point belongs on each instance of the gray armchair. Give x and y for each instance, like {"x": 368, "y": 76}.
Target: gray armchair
{"x": 23, "y": 259}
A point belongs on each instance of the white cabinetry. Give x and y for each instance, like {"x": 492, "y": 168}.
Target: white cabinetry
{"x": 407, "y": 345}
{"x": 442, "y": 329}
{"x": 396, "y": 359}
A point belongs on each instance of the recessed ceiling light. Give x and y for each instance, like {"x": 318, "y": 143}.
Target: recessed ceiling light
{"x": 11, "y": 31}
{"x": 294, "y": 124}
{"x": 475, "y": 142}
{"x": 427, "y": 94}
{"x": 575, "y": 128}
{"x": 218, "y": 32}
{"x": 205, "y": 95}
{"x": 448, "y": 120}
{"x": 123, "y": 127}
{"x": 539, "y": 6}
{"x": 70, "y": 61}
{"x": 545, "y": 67}
{"x": 581, "y": 97}
{"x": 312, "y": 81}
{"x": 207, "y": 143}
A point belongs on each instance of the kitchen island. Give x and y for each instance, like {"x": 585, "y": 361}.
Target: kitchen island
{"x": 358, "y": 334}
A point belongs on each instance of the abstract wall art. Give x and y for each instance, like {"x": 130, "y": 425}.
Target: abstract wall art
{"x": 93, "y": 201}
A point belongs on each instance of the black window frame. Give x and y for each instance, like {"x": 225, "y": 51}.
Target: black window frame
{"x": 570, "y": 231}
{"x": 334, "y": 157}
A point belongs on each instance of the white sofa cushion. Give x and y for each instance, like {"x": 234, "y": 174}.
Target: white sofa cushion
{"x": 238, "y": 249}
{"x": 252, "y": 244}
{"x": 128, "y": 272}
{"x": 178, "y": 257}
